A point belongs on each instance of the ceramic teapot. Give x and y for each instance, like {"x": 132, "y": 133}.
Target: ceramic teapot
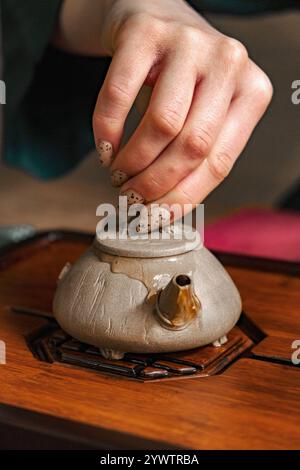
{"x": 146, "y": 296}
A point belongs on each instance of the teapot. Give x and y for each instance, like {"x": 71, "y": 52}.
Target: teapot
{"x": 147, "y": 296}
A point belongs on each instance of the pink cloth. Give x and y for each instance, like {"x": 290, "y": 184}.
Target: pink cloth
{"x": 257, "y": 232}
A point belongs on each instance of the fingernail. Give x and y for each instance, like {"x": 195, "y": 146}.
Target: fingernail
{"x": 157, "y": 217}
{"x": 118, "y": 177}
{"x": 105, "y": 150}
{"x": 133, "y": 197}
{"x": 142, "y": 228}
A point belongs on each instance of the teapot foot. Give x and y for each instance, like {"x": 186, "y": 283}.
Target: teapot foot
{"x": 111, "y": 354}
{"x": 219, "y": 342}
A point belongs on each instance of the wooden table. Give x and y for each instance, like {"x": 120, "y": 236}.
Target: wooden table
{"x": 253, "y": 403}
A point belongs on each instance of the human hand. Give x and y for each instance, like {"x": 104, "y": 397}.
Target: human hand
{"x": 208, "y": 96}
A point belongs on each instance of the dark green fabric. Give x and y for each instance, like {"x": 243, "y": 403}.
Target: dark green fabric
{"x": 243, "y": 6}
{"x": 50, "y": 94}
{"x": 26, "y": 28}
{"x": 52, "y": 131}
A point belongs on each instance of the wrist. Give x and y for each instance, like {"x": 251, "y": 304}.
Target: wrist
{"x": 84, "y": 28}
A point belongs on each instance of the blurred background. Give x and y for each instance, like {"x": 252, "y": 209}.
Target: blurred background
{"x": 266, "y": 172}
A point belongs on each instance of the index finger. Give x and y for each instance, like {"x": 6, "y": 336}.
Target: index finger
{"x": 128, "y": 70}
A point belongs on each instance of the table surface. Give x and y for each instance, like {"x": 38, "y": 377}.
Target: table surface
{"x": 252, "y": 404}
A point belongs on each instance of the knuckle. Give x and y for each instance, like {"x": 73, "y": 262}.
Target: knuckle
{"x": 183, "y": 194}
{"x": 190, "y": 35}
{"x": 234, "y": 52}
{"x": 220, "y": 165}
{"x": 117, "y": 93}
{"x": 198, "y": 145}
{"x": 146, "y": 23}
{"x": 166, "y": 123}
{"x": 140, "y": 19}
{"x": 151, "y": 186}
{"x": 104, "y": 121}
{"x": 263, "y": 89}
{"x": 156, "y": 27}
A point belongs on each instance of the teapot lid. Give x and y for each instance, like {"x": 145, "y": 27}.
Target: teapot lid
{"x": 154, "y": 245}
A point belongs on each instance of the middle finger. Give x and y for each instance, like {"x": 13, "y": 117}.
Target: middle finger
{"x": 163, "y": 120}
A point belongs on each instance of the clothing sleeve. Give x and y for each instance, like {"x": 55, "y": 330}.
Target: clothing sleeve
{"x": 51, "y": 132}
{"x": 49, "y": 93}
{"x": 243, "y": 6}
{"x": 26, "y": 28}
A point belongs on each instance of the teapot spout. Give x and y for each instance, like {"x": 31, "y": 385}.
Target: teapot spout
{"x": 177, "y": 304}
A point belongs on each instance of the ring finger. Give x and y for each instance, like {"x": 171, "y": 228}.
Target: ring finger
{"x": 205, "y": 119}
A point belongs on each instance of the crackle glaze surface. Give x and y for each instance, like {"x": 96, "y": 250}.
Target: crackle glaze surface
{"x": 107, "y": 301}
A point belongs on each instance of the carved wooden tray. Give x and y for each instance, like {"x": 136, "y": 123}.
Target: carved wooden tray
{"x": 51, "y": 344}
{"x": 243, "y": 395}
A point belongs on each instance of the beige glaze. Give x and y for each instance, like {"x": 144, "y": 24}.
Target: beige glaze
{"x": 145, "y": 270}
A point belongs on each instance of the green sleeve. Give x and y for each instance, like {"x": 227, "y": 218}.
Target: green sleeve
{"x": 243, "y": 6}
{"x": 50, "y": 94}
{"x": 26, "y": 27}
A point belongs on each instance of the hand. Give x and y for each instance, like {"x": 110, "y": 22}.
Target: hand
{"x": 207, "y": 98}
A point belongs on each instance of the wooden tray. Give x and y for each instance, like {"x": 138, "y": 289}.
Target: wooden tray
{"x": 75, "y": 394}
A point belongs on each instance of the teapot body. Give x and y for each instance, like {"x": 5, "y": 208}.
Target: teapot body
{"x": 109, "y": 301}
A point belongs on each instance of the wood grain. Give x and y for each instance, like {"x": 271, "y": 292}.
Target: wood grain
{"x": 253, "y": 404}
